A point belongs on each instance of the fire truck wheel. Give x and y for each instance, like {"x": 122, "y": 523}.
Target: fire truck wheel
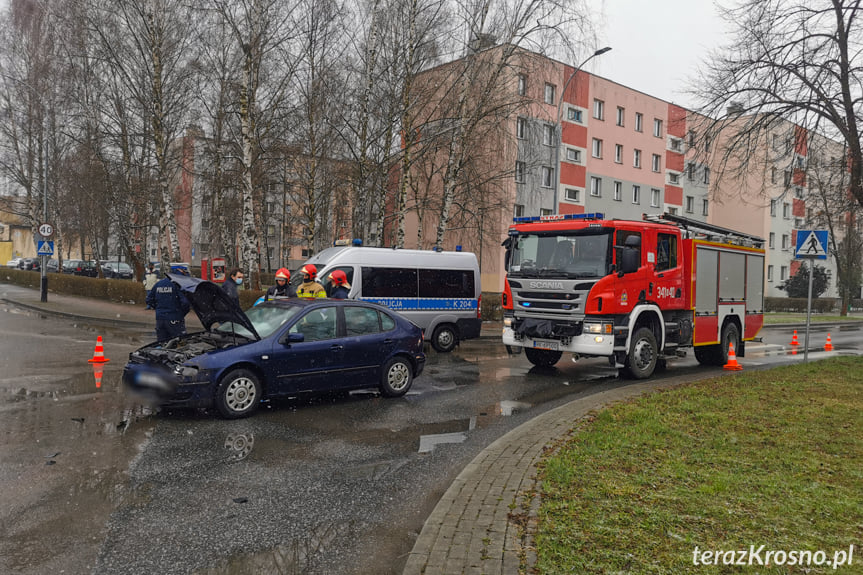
{"x": 707, "y": 354}
{"x": 542, "y": 357}
{"x": 730, "y": 334}
{"x": 444, "y": 338}
{"x": 641, "y": 361}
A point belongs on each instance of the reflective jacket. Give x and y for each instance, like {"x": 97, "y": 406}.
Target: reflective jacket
{"x": 311, "y": 289}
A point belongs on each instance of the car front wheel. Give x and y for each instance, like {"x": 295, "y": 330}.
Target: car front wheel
{"x": 396, "y": 377}
{"x": 239, "y": 394}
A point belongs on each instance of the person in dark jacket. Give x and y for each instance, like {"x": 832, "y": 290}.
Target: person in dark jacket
{"x": 171, "y": 309}
{"x": 341, "y": 287}
{"x": 282, "y": 287}
{"x": 232, "y": 283}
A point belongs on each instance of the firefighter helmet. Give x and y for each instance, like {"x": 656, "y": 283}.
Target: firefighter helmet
{"x": 283, "y": 274}
{"x": 309, "y": 270}
{"x": 339, "y": 278}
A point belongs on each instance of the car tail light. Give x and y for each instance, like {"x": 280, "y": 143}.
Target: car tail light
{"x": 479, "y": 307}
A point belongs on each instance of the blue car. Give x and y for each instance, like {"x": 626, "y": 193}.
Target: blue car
{"x": 279, "y": 348}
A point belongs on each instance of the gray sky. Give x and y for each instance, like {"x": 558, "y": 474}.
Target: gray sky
{"x": 656, "y": 45}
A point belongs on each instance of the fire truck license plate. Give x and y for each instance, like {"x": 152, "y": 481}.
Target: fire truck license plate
{"x": 544, "y": 344}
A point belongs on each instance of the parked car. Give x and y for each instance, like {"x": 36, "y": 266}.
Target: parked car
{"x": 279, "y": 348}
{"x": 80, "y": 268}
{"x": 31, "y": 264}
{"x": 13, "y": 263}
{"x": 53, "y": 266}
{"x": 113, "y": 269}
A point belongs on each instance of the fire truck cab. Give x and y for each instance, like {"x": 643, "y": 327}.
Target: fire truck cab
{"x": 636, "y": 292}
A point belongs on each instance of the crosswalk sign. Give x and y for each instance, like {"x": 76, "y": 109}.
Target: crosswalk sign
{"x": 811, "y": 244}
{"x": 45, "y": 248}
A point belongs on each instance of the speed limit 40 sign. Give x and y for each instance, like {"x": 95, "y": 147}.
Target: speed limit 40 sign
{"x": 46, "y": 230}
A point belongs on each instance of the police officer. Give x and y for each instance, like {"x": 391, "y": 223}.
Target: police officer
{"x": 150, "y": 279}
{"x": 171, "y": 308}
{"x": 342, "y": 287}
{"x": 309, "y": 287}
{"x": 282, "y": 287}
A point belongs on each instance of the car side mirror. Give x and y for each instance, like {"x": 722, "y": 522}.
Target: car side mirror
{"x": 293, "y": 338}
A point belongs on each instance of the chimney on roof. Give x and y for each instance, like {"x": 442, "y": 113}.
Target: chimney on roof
{"x": 735, "y": 109}
{"x": 482, "y": 42}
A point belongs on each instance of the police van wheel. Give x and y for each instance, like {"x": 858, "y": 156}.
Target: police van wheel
{"x": 239, "y": 394}
{"x": 396, "y": 377}
{"x": 444, "y": 338}
{"x": 542, "y": 357}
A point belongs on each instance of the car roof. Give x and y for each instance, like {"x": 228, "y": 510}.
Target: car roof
{"x": 321, "y": 302}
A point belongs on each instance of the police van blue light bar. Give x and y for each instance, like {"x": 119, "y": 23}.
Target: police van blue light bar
{"x": 558, "y": 217}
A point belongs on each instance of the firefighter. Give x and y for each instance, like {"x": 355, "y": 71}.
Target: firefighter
{"x": 310, "y": 287}
{"x": 282, "y": 287}
{"x": 342, "y": 287}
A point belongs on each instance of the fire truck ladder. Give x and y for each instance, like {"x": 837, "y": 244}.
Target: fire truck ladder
{"x": 695, "y": 228}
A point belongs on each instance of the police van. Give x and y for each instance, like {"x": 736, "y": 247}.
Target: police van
{"x": 438, "y": 291}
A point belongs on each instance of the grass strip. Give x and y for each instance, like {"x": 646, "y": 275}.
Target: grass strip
{"x": 770, "y": 458}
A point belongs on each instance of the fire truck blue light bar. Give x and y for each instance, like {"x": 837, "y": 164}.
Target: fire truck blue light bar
{"x": 558, "y": 217}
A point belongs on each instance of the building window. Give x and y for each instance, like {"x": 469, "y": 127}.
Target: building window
{"x": 573, "y": 115}
{"x": 786, "y": 210}
{"x": 618, "y": 191}
{"x": 772, "y": 240}
{"x": 548, "y": 134}
{"x": 597, "y": 148}
{"x": 549, "y": 93}
{"x": 522, "y": 85}
{"x": 690, "y": 204}
{"x": 595, "y": 186}
{"x": 620, "y": 115}
{"x": 545, "y": 212}
{"x": 704, "y": 205}
{"x": 599, "y": 109}
{"x": 787, "y": 178}
{"x": 676, "y": 145}
{"x": 773, "y": 175}
{"x": 520, "y": 128}
{"x": 673, "y": 178}
{"x": 785, "y": 241}
{"x": 657, "y": 127}
{"x": 798, "y": 192}
{"x": 618, "y": 153}
{"x": 573, "y": 155}
{"x": 691, "y": 138}
{"x": 770, "y": 273}
{"x": 654, "y": 197}
{"x": 571, "y": 194}
{"x": 547, "y": 176}
{"x": 271, "y": 230}
{"x": 639, "y": 120}
{"x": 519, "y": 172}
{"x": 783, "y": 273}
{"x": 636, "y": 158}
{"x": 636, "y": 194}
{"x": 773, "y": 208}
{"x": 706, "y": 175}
{"x": 655, "y": 163}
{"x": 518, "y": 210}
{"x": 672, "y": 211}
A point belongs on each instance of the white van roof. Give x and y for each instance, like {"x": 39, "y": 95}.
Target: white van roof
{"x": 393, "y": 257}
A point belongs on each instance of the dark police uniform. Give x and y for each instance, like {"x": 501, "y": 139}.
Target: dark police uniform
{"x": 340, "y": 292}
{"x": 280, "y": 291}
{"x": 171, "y": 309}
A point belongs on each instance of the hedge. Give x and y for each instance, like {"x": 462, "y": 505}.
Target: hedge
{"x": 798, "y": 305}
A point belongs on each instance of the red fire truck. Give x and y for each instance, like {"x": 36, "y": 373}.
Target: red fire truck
{"x": 636, "y": 292}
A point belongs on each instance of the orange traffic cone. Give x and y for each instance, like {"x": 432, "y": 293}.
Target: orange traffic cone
{"x": 794, "y": 338}
{"x": 97, "y": 374}
{"x": 829, "y": 345}
{"x": 732, "y": 364}
{"x": 99, "y": 353}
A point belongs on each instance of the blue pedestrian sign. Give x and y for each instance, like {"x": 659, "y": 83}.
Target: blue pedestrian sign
{"x": 811, "y": 244}
{"x": 45, "y": 248}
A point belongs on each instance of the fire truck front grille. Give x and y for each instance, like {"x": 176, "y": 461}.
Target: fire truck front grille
{"x": 555, "y": 296}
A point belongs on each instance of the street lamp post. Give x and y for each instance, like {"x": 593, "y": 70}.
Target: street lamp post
{"x": 558, "y": 161}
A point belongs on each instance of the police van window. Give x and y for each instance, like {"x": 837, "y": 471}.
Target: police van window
{"x": 666, "y": 252}
{"x": 389, "y": 282}
{"x": 447, "y": 283}
{"x": 621, "y": 241}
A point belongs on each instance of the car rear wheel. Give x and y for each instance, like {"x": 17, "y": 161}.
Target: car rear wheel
{"x": 396, "y": 377}
{"x": 239, "y": 394}
{"x": 444, "y": 338}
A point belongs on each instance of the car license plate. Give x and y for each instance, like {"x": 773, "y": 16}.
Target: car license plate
{"x": 545, "y": 344}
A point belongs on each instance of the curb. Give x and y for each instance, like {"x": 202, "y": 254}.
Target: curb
{"x": 77, "y": 317}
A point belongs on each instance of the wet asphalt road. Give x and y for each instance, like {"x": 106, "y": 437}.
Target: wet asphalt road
{"x": 94, "y": 482}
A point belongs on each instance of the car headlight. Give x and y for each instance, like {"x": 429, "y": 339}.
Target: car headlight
{"x": 186, "y": 371}
{"x": 507, "y": 322}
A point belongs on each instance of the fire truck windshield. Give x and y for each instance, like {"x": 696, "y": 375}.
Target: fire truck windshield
{"x": 565, "y": 254}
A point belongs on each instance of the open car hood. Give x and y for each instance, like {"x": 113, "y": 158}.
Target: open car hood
{"x": 211, "y": 304}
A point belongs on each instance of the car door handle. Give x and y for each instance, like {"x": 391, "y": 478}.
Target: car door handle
{"x": 336, "y": 347}
{"x": 388, "y": 340}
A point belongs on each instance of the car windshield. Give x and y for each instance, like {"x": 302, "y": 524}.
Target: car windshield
{"x": 265, "y": 318}
{"x": 583, "y": 254}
